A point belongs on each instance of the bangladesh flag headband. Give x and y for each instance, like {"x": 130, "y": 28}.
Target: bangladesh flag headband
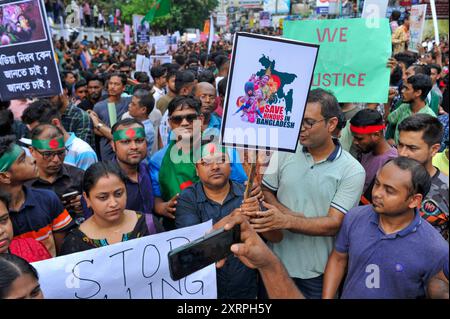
{"x": 9, "y": 158}
{"x": 50, "y": 145}
{"x": 129, "y": 133}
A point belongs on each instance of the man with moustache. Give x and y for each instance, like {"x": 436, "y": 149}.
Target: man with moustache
{"x": 49, "y": 151}
{"x": 206, "y": 93}
{"x": 94, "y": 93}
{"x": 130, "y": 147}
{"x": 214, "y": 197}
{"x": 386, "y": 250}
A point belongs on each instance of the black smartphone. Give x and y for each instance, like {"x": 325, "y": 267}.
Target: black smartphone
{"x": 202, "y": 252}
{"x": 67, "y": 197}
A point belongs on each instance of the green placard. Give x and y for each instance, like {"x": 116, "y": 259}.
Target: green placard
{"x": 352, "y": 56}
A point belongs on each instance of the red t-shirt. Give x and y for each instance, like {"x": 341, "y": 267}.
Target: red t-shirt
{"x": 29, "y": 249}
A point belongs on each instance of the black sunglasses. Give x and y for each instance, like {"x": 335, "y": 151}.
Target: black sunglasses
{"x": 178, "y": 119}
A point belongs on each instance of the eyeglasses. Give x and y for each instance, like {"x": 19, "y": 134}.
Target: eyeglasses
{"x": 49, "y": 155}
{"x": 178, "y": 119}
{"x": 309, "y": 123}
{"x": 222, "y": 160}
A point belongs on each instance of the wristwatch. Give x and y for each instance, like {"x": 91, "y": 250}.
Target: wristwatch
{"x": 99, "y": 126}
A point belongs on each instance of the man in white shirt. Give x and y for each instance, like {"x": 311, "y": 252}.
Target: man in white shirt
{"x": 158, "y": 74}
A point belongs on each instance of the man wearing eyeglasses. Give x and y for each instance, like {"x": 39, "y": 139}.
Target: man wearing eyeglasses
{"x": 49, "y": 152}
{"x": 35, "y": 213}
{"x": 308, "y": 194}
{"x": 172, "y": 167}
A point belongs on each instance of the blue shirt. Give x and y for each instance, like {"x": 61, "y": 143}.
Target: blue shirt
{"x": 394, "y": 266}
{"x": 149, "y": 136}
{"x": 237, "y": 170}
{"x": 234, "y": 279}
{"x": 79, "y": 153}
{"x": 101, "y": 108}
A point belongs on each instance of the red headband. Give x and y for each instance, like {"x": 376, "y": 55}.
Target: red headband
{"x": 367, "y": 129}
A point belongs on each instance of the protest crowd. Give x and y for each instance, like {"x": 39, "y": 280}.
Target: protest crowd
{"x": 366, "y": 194}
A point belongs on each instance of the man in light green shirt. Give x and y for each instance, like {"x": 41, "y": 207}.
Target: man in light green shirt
{"x": 307, "y": 194}
{"x": 414, "y": 94}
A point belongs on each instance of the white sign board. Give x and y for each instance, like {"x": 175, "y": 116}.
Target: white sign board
{"x": 374, "y": 9}
{"x": 266, "y": 92}
{"x": 417, "y": 23}
{"x": 135, "y": 269}
{"x": 142, "y": 64}
{"x": 221, "y": 19}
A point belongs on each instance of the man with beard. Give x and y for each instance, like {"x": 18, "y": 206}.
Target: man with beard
{"x": 173, "y": 167}
{"x": 94, "y": 93}
{"x": 206, "y": 93}
{"x": 386, "y": 250}
{"x": 420, "y": 138}
{"x": 49, "y": 151}
{"x": 215, "y": 197}
{"x": 367, "y": 129}
{"x": 130, "y": 146}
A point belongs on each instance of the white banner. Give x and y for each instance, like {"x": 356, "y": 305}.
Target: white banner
{"x": 374, "y": 9}
{"x": 417, "y": 23}
{"x": 135, "y": 269}
{"x": 221, "y": 20}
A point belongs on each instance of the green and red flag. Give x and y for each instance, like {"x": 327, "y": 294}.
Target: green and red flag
{"x": 159, "y": 8}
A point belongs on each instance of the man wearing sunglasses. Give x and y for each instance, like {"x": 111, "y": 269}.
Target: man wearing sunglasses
{"x": 172, "y": 167}
{"x": 49, "y": 152}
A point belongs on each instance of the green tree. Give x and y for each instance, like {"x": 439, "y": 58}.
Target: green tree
{"x": 184, "y": 13}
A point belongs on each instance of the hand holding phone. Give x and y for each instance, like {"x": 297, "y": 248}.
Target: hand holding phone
{"x": 202, "y": 252}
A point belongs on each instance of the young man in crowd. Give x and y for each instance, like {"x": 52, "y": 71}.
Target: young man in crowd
{"x": 172, "y": 168}
{"x": 79, "y": 153}
{"x": 130, "y": 147}
{"x": 389, "y": 250}
{"x": 94, "y": 93}
{"x": 159, "y": 75}
{"x": 414, "y": 93}
{"x": 367, "y": 128}
{"x": 49, "y": 151}
{"x": 73, "y": 118}
{"x": 35, "y": 213}
{"x": 308, "y": 194}
{"x": 109, "y": 111}
{"x": 141, "y": 106}
{"x": 420, "y": 138}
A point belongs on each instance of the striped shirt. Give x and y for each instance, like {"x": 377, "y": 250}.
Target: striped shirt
{"x": 79, "y": 153}
{"x": 40, "y": 216}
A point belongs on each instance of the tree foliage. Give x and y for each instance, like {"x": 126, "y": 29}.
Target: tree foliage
{"x": 183, "y": 14}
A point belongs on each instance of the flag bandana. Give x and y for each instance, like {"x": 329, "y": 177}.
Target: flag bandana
{"x": 50, "y": 145}
{"x": 9, "y": 158}
{"x": 129, "y": 133}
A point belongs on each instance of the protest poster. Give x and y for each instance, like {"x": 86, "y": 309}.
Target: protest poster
{"x": 374, "y": 9}
{"x": 264, "y": 19}
{"x": 141, "y": 31}
{"x": 352, "y": 57}
{"x": 416, "y": 26}
{"x": 143, "y": 64}
{"x": 266, "y": 92}
{"x": 27, "y": 61}
{"x": 135, "y": 269}
{"x": 127, "y": 33}
{"x": 221, "y": 19}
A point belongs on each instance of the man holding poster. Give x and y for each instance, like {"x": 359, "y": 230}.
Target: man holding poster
{"x": 308, "y": 194}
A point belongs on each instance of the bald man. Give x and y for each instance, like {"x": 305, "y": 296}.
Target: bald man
{"x": 206, "y": 93}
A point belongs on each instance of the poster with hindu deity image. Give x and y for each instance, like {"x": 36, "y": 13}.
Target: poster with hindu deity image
{"x": 267, "y": 89}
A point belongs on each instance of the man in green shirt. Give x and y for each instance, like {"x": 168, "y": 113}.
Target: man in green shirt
{"x": 414, "y": 94}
